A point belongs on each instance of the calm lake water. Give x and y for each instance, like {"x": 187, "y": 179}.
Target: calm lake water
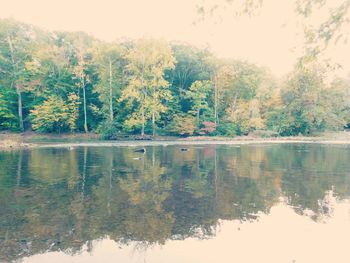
{"x": 248, "y": 203}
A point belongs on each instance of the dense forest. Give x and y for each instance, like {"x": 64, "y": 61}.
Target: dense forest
{"x": 71, "y": 82}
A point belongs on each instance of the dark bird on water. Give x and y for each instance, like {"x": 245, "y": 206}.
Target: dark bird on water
{"x": 184, "y": 149}
{"x": 141, "y": 150}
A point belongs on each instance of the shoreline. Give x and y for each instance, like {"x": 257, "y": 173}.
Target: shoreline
{"x": 34, "y": 140}
{"x": 171, "y": 143}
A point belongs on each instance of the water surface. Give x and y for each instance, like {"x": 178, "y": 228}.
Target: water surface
{"x": 248, "y": 203}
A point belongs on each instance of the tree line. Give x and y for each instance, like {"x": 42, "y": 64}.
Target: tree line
{"x": 71, "y": 82}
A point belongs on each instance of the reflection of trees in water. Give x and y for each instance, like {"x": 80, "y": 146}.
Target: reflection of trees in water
{"x": 147, "y": 187}
{"x": 56, "y": 199}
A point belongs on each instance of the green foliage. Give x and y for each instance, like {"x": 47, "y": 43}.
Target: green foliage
{"x": 110, "y": 61}
{"x": 308, "y": 104}
{"x": 198, "y": 94}
{"x": 279, "y": 121}
{"x": 191, "y": 65}
{"x": 69, "y": 81}
{"x": 134, "y": 123}
{"x": 182, "y": 125}
{"x": 247, "y": 116}
{"x": 8, "y": 121}
{"x": 227, "y": 129}
{"x": 109, "y": 130}
{"x": 54, "y": 115}
{"x": 148, "y": 60}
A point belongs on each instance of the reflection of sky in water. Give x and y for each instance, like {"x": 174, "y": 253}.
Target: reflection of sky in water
{"x": 280, "y": 236}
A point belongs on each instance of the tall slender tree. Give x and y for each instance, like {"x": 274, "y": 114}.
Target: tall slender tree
{"x": 111, "y": 63}
{"x": 15, "y": 46}
{"x": 148, "y": 61}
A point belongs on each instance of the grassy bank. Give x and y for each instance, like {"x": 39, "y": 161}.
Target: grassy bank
{"x": 26, "y": 140}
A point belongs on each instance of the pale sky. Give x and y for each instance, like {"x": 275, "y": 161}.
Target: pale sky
{"x": 282, "y": 235}
{"x": 269, "y": 38}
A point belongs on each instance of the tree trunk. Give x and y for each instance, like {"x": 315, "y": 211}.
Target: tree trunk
{"x": 143, "y": 112}
{"x": 216, "y": 175}
{"x": 153, "y": 124}
{"x": 20, "y": 111}
{"x": 85, "y": 117}
{"x": 110, "y": 91}
{"x": 198, "y": 111}
{"x": 143, "y": 101}
{"x": 215, "y": 100}
{"x": 143, "y": 121}
{"x": 15, "y": 71}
